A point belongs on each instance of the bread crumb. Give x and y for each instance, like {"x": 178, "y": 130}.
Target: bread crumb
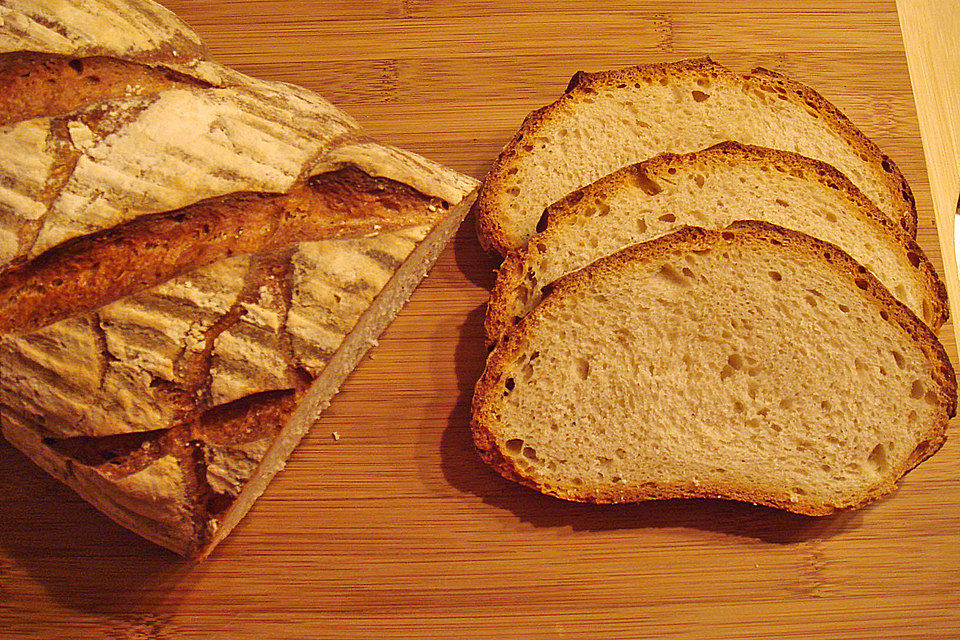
{"x": 80, "y": 135}
{"x": 373, "y": 342}
{"x": 336, "y": 436}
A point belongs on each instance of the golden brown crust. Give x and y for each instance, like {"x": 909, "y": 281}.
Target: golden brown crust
{"x": 507, "y": 296}
{"x": 117, "y": 457}
{"x": 490, "y": 388}
{"x": 490, "y": 228}
{"x": 87, "y": 272}
{"x": 285, "y": 166}
{"x": 46, "y": 85}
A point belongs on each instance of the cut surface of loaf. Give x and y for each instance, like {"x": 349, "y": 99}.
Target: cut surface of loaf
{"x": 608, "y": 120}
{"x": 193, "y": 262}
{"x": 752, "y": 363}
{"x": 712, "y": 188}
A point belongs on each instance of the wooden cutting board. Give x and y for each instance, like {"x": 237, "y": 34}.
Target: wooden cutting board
{"x": 397, "y": 530}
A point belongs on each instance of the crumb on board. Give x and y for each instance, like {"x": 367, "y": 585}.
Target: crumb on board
{"x": 336, "y": 436}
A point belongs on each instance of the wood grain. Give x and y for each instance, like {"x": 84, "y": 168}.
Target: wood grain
{"x": 397, "y": 530}
{"x": 931, "y": 34}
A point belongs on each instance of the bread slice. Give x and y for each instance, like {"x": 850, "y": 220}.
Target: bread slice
{"x": 712, "y": 188}
{"x": 193, "y": 261}
{"x": 752, "y": 363}
{"x": 608, "y": 120}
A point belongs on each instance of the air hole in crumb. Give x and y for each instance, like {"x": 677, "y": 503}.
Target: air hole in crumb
{"x": 687, "y": 272}
{"x": 700, "y": 96}
{"x": 810, "y": 300}
{"x": 735, "y": 361}
{"x": 527, "y": 372}
{"x": 776, "y": 276}
{"x": 787, "y": 403}
{"x": 513, "y": 446}
{"x": 878, "y": 458}
{"x": 913, "y": 258}
{"x": 884, "y": 315}
{"x": 782, "y": 203}
{"x": 844, "y": 308}
{"x": 699, "y": 180}
{"x": 916, "y": 390}
{"x": 582, "y": 366}
{"x": 641, "y": 225}
{"x": 529, "y": 453}
{"x": 667, "y": 217}
{"x": 649, "y": 186}
{"x": 862, "y": 283}
{"x": 920, "y": 451}
{"x": 669, "y": 274}
{"x": 826, "y": 405}
{"x": 513, "y": 191}
{"x": 509, "y": 384}
{"x": 727, "y": 235}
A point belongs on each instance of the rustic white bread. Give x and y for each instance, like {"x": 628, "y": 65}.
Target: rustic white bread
{"x": 752, "y": 363}
{"x": 712, "y": 188}
{"x": 608, "y": 120}
{"x": 195, "y": 261}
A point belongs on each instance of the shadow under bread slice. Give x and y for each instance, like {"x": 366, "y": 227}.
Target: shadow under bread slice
{"x": 751, "y": 363}
{"x": 712, "y": 188}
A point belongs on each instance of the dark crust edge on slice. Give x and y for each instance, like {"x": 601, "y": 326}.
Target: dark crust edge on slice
{"x": 488, "y": 388}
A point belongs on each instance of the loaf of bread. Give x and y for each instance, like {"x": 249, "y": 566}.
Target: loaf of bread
{"x": 608, "y": 120}
{"x": 194, "y": 261}
{"x": 711, "y": 189}
{"x": 752, "y": 363}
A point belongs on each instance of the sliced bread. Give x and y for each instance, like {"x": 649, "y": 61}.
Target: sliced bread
{"x": 712, "y": 188}
{"x": 607, "y": 120}
{"x": 752, "y": 363}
